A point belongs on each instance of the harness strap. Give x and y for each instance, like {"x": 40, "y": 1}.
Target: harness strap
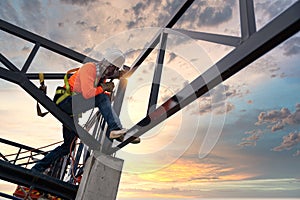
{"x": 65, "y": 92}
{"x": 42, "y": 87}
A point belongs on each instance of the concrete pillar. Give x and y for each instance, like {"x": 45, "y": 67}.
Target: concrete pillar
{"x": 101, "y": 178}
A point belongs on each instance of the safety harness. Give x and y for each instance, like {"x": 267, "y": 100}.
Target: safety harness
{"x": 42, "y": 87}
{"x": 62, "y": 93}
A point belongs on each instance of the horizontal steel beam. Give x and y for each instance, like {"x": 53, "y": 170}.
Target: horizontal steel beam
{"x": 25, "y": 177}
{"x": 35, "y": 76}
{"x": 43, "y": 42}
{"x": 22, "y": 146}
{"x": 277, "y": 31}
{"x": 6, "y": 196}
{"x": 21, "y": 79}
{"x": 210, "y": 37}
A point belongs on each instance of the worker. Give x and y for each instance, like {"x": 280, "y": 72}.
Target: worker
{"x": 89, "y": 89}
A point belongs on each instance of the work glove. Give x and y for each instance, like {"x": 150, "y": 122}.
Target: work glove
{"x": 108, "y": 86}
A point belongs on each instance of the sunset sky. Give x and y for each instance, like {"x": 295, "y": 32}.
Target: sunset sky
{"x": 253, "y": 117}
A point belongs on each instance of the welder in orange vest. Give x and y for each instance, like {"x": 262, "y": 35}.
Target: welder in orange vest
{"x": 89, "y": 87}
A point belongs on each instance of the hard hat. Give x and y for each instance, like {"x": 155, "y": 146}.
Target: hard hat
{"x": 115, "y": 57}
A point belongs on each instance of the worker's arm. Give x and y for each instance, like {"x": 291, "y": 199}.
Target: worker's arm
{"x": 87, "y": 78}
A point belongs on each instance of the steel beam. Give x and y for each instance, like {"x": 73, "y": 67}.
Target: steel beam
{"x": 25, "y": 177}
{"x": 247, "y": 18}
{"x": 35, "y": 76}
{"x": 3, "y": 157}
{"x": 6, "y": 196}
{"x": 30, "y": 57}
{"x": 8, "y": 64}
{"x": 21, "y": 146}
{"x": 210, "y": 37}
{"x": 52, "y": 46}
{"x": 21, "y": 79}
{"x": 157, "y": 73}
{"x": 181, "y": 10}
{"x": 277, "y": 31}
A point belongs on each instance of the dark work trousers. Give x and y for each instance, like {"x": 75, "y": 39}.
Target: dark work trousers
{"x": 73, "y": 106}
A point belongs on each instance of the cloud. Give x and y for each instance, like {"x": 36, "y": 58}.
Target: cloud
{"x": 78, "y": 2}
{"x": 214, "y": 16}
{"x": 138, "y": 8}
{"x": 203, "y": 14}
{"x": 247, "y": 143}
{"x": 192, "y": 170}
{"x": 216, "y": 100}
{"x": 172, "y": 57}
{"x": 278, "y": 119}
{"x": 88, "y": 50}
{"x": 24, "y": 12}
{"x": 277, "y": 126}
{"x": 142, "y": 11}
{"x": 289, "y": 141}
{"x": 272, "y": 116}
{"x": 292, "y": 46}
{"x": 8, "y": 12}
{"x": 297, "y": 153}
{"x": 228, "y": 107}
{"x": 273, "y": 8}
{"x": 252, "y": 139}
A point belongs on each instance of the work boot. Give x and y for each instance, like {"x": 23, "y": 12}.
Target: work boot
{"x": 136, "y": 140}
{"x": 117, "y": 134}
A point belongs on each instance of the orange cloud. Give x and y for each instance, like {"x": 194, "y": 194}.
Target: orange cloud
{"x": 189, "y": 171}
{"x": 182, "y": 180}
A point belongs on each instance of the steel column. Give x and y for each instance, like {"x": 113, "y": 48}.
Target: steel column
{"x": 157, "y": 73}
{"x": 247, "y": 18}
